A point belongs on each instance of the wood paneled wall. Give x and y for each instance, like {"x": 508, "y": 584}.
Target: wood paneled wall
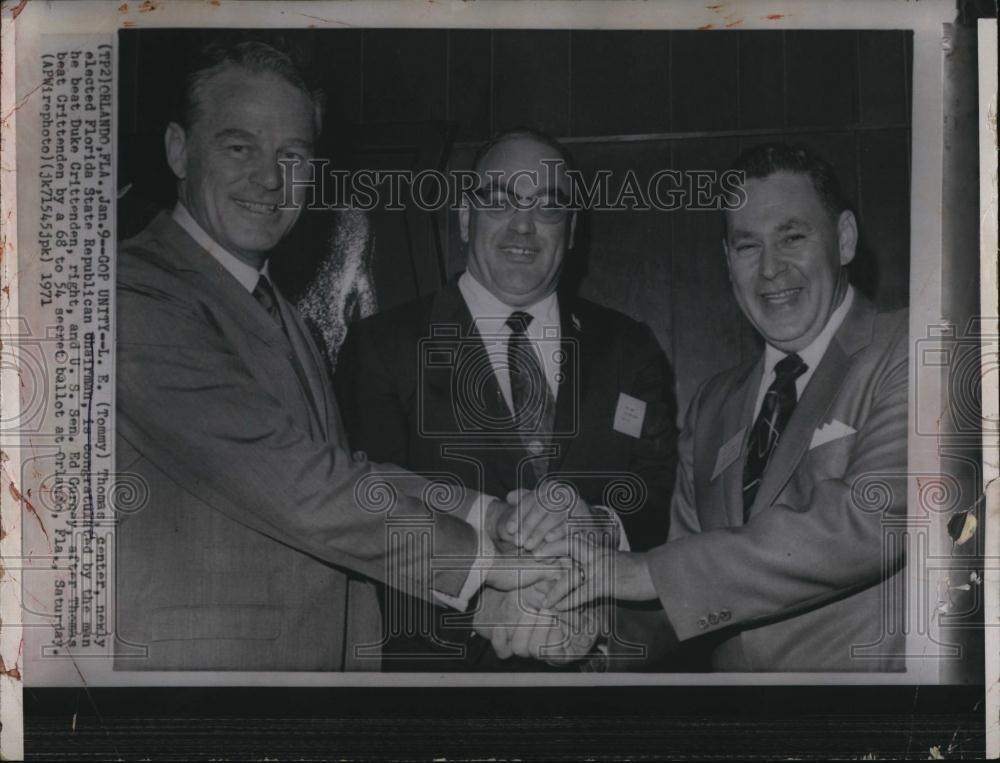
{"x": 640, "y": 100}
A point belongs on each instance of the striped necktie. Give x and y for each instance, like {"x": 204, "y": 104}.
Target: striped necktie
{"x": 776, "y": 410}
{"x": 528, "y": 387}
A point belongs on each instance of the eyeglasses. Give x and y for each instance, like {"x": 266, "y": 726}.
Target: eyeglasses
{"x": 501, "y": 205}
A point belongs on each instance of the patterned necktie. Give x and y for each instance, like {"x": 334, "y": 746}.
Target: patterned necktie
{"x": 263, "y": 292}
{"x": 776, "y": 410}
{"x": 528, "y": 388}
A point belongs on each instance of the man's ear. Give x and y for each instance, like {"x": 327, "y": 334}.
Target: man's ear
{"x": 175, "y": 143}
{"x": 847, "y": 236}
{"x": 463, "y": 223}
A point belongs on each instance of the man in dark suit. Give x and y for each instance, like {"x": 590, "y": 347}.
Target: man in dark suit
{"x": 792, "y": 475}
{"x": 261, "y": 534}
{"x": 508, "y": 383}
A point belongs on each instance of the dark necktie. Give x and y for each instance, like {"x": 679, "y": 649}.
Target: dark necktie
{"x": 528, "y": 388}
{"x": 776, "y": 410}
{"x": 263, "y": 292}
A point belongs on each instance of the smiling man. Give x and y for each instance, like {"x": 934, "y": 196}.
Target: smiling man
{"x": 255, "y": 548}
{"x": 509, "y": 383}
{"x": 792, "y": 477}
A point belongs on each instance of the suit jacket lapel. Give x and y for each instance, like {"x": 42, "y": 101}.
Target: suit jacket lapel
{"x": 188, "y": 257}
{"x": 573, "y": 379}
{"x": 467, "y": 382}
{"x": 308, "y": 361}
{"x": 331, "y": 412}
{"x": 819, "y": 394}
{"x": 229, "y": 294}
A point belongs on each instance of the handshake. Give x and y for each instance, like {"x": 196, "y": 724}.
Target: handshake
{"x": 554, "y": 556}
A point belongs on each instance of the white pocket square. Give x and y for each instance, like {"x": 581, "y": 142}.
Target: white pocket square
{"x": 834, "y": 430}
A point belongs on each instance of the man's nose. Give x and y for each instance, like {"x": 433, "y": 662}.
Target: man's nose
{"x": 267, "y": 173}
{"x": 771, "y": 264}
{"x": 523, "y": 220}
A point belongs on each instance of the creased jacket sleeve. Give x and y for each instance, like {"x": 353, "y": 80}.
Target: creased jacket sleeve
{"x": 791, "y": 557}
{"x": 188, "y": 403}
{"x": 683, "y": 513}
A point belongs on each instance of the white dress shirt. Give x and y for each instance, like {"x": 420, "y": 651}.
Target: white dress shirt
{"x": 545, "y": 332}
{"x": 811, "y": 355}
{"x": 247, "y": 275}
{"x": 490, "y": 316}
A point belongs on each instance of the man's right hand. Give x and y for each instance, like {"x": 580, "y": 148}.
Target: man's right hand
{"x": 598, "y": 573}
{"x": 532, "y": 519}
{"x": 512, "y": 568}
{"x": 517, "y": 624}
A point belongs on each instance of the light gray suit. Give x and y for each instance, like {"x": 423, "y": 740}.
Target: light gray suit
{"x": 252, "y": 553}
{"x": 808, "y": 582}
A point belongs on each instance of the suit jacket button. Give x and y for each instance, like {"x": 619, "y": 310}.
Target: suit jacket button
{"x": 725, "y": 615}
{"x": 702, "y": 623}
{"x": 713, "y": 618}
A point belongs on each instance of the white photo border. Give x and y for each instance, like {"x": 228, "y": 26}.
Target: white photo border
{"x": 925, "y": 19}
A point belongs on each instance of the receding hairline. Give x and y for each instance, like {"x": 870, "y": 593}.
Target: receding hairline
{"x": 207, "y": 77}
{"x": 560, "y": 153}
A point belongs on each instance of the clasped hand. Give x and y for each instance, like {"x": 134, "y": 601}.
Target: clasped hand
{"x": 534, "y": 572}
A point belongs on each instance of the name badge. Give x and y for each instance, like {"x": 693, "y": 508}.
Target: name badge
{"x": 728, "y": 453}
{"x": 629, "y": 415}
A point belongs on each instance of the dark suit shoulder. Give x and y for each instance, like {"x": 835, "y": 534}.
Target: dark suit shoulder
{"x": 614, "y": 320}
{"x": 385, "y": 343}
{"x": 608, "y": 326}
{"x": 407, "y": 319}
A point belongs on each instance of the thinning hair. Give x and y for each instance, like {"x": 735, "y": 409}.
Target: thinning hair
{"x": 764, "y": 160}
{"x": 524, "y": 132}
{"x": 252, "y": 55}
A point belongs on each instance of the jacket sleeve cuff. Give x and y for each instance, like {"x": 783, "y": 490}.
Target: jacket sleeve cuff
{"x": 484, "y": 559}
{"x": 623, "y": 544}
{"x": 674, "y": 589}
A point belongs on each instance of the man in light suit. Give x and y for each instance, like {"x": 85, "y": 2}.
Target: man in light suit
{"x": 261, "y": 534}
{"x": 434, "y": 385}
{"x": 791, "y": 479}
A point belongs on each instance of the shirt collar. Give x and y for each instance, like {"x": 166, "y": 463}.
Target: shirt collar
{"x": 487, "y": 309}
{"x": 812, "y": 354}
{"x": 247, "y": 275}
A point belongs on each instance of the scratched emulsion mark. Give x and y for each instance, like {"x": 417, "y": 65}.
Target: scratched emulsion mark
{"x": 13, "y": 673}
{"x": 730, "y": 19}
{"x": 27, "y": 505}
{"x": 16, "y": 10}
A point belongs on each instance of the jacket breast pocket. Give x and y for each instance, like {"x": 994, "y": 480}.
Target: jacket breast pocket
{"x": 830, "y": 460}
